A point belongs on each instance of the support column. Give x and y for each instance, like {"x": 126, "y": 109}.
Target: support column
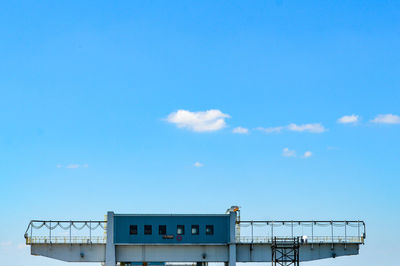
{"x": 110, "y": 247}
{"x": 232, "y": 255}
{"x": 232, "y": 242}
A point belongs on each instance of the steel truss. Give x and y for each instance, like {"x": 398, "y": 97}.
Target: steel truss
{"x": 285, "y": 251}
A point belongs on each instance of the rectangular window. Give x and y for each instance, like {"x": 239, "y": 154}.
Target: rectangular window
{"x": 195, "y": 229}
{"x": 209, "y": 229}
{"x": 162, "y": 229}
{"x": 148, "y": 230}
{"x": 133, "y": 229}
{"x": 180, "y": 229}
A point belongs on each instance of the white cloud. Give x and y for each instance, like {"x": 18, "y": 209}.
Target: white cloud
{"x": 73, "y": 166}
{"x": 198, "y": 164}
{"x": 21, "y": 246}
{"x": 386, "y": 119}
{"x": 347, "y": 119}
{"x": 204, "y": 121}
{"x": 312, "y": 128}
{"x": 240, "y": 130}
{"x": 288, "y": 153}
{"x": 271, "y": 129}
{"x": 5, "y": 244}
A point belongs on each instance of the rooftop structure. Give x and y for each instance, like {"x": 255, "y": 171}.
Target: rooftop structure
{"x": 132, "y": 239}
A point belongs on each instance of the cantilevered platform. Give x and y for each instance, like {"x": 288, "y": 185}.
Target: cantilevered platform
{"x": 193, "y": 238}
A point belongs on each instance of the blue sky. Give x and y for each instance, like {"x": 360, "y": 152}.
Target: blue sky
{"x": 106, "y": 106}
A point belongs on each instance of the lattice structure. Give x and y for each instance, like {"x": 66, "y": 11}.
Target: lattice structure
{"x": 285, "y": 252}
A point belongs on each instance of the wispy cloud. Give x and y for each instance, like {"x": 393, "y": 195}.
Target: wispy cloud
{"x": 8, "y": 245}
{"x": 312, "y": 128}
{"x": 73, "y": 166}
{"x": 5, "y": 244}
{"x": 386, "y": 119}
{"x": 198, "y": 164}
{"x": 271, "y": 129}
{"x": 22, "y": 246}
{"x": 348, "y": 119}
{"x": 203, "y": 121}
{"x": 240, "y": 130}
{"x": 288, "y": 153}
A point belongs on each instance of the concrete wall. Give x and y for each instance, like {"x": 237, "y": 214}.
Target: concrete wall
{"x": 185, "y": 253}
{"x": 263, "y": 252}
{"x": 71, "y": 253}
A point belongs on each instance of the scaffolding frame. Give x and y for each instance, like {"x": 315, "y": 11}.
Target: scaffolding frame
{"x": 285, "y": 252}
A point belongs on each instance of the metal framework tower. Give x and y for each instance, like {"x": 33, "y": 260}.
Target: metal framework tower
{"x": 285, "y": 251}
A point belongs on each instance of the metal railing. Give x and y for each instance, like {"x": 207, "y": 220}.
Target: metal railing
{"x": 96, "y": 232}
{"x": 333, "y": 231}
{"x": 314, "y": 240}
{"x": 66, "y": 240}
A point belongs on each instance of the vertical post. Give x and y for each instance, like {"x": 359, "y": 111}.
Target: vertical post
{"x": 332, "y": 233}
{"x": 345, "y": 234}
{"x": 292, "y": 229}
{"x": 232, "y": 242}
{"x": 110, "y": 246}
{"x": 272, "y": 231}
{"x": 252, "y": 232}
{"x": 364, "y": 232}
{"x": 50, "y": 232}
{"x": 70, "y": 229}
{"x": 90, "y": 232}
{"x": 359, "y": 236}
{"x": 312, "y": 234}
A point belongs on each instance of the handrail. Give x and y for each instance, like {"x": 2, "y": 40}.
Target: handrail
{"x": 63, "y": 221}
{"x": 301, "y": 221}
{"x": 314, "y": 240}
{"x": 66, "y": 240}
{"x": 330, "y": 232}
{"x": 71, "y": 226}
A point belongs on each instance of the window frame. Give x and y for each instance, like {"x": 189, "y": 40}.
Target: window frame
{"x": 208, "y": 232}
{"x": 162, "y": 227}
{"x": 146, "y": 230}
{"x": 133, "y": 229}
{"x": 197, "y": 227}
{"x": 180, "y": 226}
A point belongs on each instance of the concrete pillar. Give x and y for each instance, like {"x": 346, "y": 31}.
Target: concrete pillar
{"x": 232, "y": 240}
{"x": 110, "y": 247}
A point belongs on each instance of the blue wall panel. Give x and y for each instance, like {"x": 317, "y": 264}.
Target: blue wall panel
{"x": 122, "y": 223}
